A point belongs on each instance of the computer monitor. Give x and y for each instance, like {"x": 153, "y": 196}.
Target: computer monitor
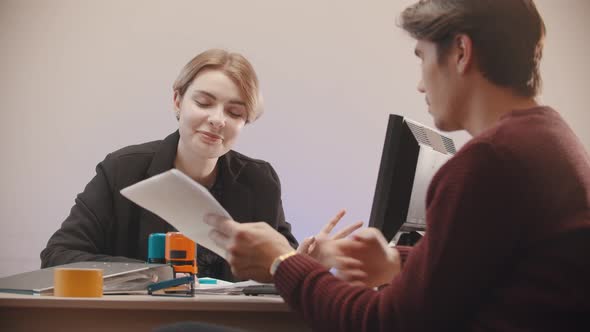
{"x": 412, "y": 153}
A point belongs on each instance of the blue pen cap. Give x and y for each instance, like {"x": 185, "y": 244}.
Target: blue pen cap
{"x": 156, "y": 248}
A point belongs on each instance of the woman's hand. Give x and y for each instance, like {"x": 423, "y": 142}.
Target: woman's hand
{"x": 320, "y": 246}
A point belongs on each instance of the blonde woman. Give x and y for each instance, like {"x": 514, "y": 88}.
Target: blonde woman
{"x": 215, "y": 96}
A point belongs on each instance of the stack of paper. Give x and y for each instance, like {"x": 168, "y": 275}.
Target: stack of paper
{"x": 226, "y": 288}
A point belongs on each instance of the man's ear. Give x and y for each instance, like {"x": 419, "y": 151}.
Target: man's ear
{"x": 464, "y": 48}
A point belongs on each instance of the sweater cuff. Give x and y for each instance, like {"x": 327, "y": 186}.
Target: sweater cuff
{"x": 292, "y": 271}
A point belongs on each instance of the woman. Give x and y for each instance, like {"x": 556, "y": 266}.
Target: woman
{"x": 215, "y": 95}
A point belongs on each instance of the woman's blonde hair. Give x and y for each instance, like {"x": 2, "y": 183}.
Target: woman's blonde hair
{"x": 235, "y": 66}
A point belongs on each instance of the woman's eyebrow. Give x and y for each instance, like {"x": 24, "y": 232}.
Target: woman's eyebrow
{"x": 212, "y": 96}
{"x": 237, "y": 102}
{"x": 208, "y": 94}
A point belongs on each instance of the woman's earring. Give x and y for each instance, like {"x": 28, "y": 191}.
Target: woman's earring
{"x": 177, "y": 115}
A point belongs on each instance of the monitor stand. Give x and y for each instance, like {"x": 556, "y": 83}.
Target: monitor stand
{"x": 406, "y": 238}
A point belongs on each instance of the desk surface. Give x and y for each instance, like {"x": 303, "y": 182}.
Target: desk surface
{"x": 143, "y": 312}
{"x": 198, "y": 303}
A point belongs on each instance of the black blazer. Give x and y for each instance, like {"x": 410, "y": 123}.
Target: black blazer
{"x": 105, "y": 226}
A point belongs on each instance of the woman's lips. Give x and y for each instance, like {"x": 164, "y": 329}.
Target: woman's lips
{"x": 210, "y": 136}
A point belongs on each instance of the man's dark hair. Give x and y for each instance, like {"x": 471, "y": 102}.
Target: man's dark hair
{"x": 507, "y": 36}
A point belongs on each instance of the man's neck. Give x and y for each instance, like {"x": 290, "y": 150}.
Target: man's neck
{"x": 489, "y": 104}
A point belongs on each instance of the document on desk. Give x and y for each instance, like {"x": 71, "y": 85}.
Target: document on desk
{"x": 226, "y": 287}
{"x": 181, "y": 201}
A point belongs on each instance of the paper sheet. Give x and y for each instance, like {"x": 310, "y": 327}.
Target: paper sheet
{"x": 224, "y": 287}
{"x": 182, "y": 202}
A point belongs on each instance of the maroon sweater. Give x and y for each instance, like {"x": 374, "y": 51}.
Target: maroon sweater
{"x": 507, "y": 246}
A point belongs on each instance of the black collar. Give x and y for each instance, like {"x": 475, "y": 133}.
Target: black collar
{"x": 164, "y": 157}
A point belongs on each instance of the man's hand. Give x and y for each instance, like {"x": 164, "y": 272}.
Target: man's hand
{"x": 370, "y": 261}
{"x": 250, "y": 248}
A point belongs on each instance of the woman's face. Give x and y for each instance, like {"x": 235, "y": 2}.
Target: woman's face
{"x": 211, "y": 114}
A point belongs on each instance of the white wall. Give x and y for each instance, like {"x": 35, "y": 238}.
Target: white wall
{"x": 79, "y": 79}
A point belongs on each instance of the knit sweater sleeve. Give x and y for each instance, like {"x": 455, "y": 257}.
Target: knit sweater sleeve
{"x": 446, "y": 273}
{"x": 404, "y": 252}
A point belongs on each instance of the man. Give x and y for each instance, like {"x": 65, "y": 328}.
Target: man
{"x": 508, "y": 217}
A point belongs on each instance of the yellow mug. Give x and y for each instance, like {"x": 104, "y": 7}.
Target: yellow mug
{"x": 68, "y": 282}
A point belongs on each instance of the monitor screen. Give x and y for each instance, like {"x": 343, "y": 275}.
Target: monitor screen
{"x": 412, "y": 154}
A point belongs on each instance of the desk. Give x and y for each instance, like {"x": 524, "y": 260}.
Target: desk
{"x": 143, "y": 312}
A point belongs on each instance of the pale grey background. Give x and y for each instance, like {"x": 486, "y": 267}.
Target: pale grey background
{"x": 80, "y": 79}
